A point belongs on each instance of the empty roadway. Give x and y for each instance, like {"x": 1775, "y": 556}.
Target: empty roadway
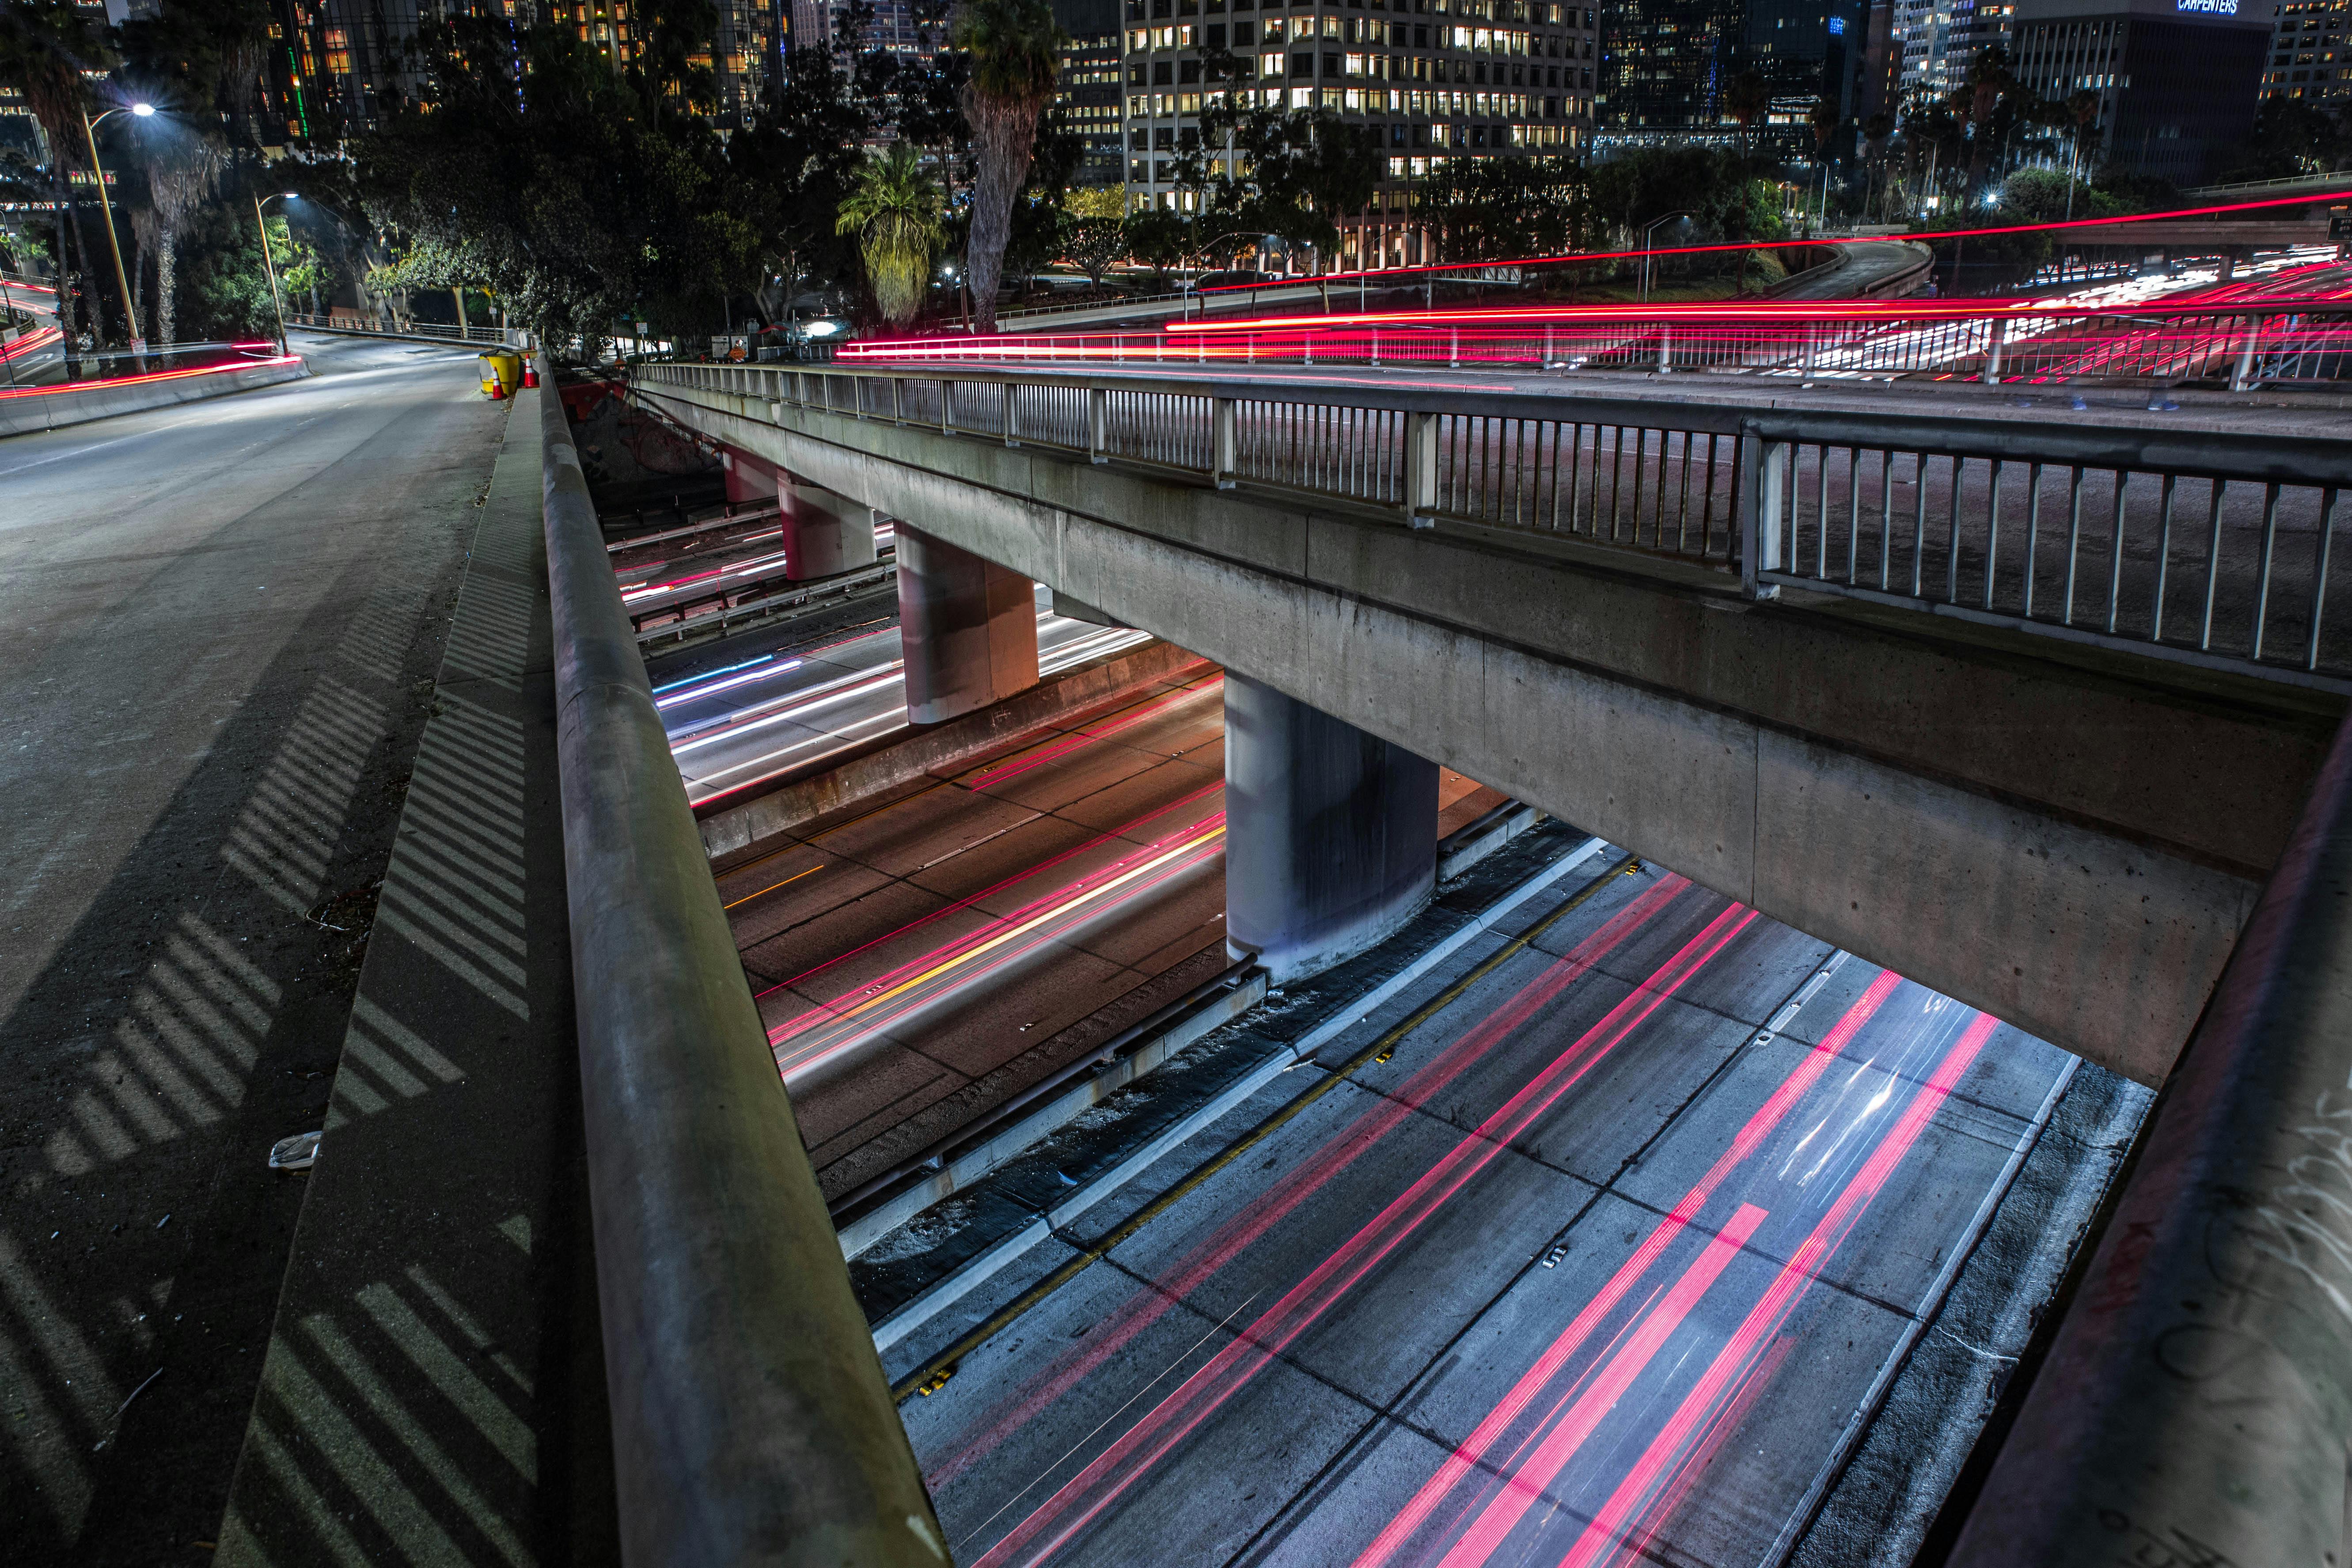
{"x": 219, "y": 617}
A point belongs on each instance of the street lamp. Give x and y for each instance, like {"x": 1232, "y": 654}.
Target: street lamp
{"x": 1646, "y": 249}
{"x": 271, "y": 265}
{"x": 106, "y": 209}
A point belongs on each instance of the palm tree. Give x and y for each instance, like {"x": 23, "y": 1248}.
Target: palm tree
{"x": 44, "y": 46}
{"x": 894, "y": 210}
{"x": 1746, "y": 97}
{"x": 1015, "y": 48}
{"x": 182, "y": 166}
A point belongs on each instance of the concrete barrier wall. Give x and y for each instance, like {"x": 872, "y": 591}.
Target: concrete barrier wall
{"x": 2068, "y": 838}
{"x": 54, "y": 410}
{"x": 952, "y": 745}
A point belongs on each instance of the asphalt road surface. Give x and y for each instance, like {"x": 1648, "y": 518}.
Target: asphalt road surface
{"x": 1597, "y": 1265}
{"x": 219, "y": 616}
{"x": 740, "y": 722}
{"x": 920, "y": 960}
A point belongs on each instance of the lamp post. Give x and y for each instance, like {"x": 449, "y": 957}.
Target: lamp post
{"x": 1646, "y": 249}
{"x": 106, "y": 210}
{"x": 271, "y": 265}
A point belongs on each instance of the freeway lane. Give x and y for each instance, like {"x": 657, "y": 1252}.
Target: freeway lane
{"x": 739, "y": 722}
{"x": 219, "y": 615}
{"x": 1596, "y": 1264}
{"x": 925, "y": 957}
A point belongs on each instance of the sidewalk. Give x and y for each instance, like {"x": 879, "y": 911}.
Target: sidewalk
{"x": 433, "y": 1387}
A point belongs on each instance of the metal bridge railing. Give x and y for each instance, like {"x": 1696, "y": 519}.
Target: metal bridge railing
{"x": 2206, "y": 547}
{"x": 414, "y": 330}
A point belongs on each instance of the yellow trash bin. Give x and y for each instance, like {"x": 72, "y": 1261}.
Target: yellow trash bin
{"x": 501, "y": 372}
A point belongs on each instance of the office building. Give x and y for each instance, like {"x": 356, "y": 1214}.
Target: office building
{"x": 339, "y": 67}
{"x": 2178, "y": 80}
{"x": 1426, "y": 79}
{"x": 2310, "y": 58}
{"x": 1668, "y": 65}
{"x": 1665, "y": 65}
{"x": 1089, "y": 95}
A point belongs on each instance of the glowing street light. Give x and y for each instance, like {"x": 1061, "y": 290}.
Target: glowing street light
{"x": 106, "y": 208}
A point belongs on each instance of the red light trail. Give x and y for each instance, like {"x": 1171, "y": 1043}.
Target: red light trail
{"x": 150, "y": 376}
{"x": 1051, "y": 750}
{"x": 1067, "y": 1513}
{"x": 824, "y": 1031}
{"x": 1230, "y": 1240}
{"x": 1582, "y": 256}
{"x": 1472, "y": 1451}
{"x": 1602, "y": 1537}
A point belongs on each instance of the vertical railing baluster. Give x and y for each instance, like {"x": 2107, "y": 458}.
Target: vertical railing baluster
{"x": 2163, "y": 558}
{"x": 1853, "y": 514}
{"x": 2262, "y": 578}
{"x": 2074, "y": 538}
{"x": 2033, "y": 532}
{"x": 1640, "y": 448}
{"x": 1682, "y": 504}
{"x": 1616, "y": 484}
{"x": 2319, "y": 575}
{"x": 1992, "y": 529}
{"x": 1594, "y": 483}
{"x": 1707, "y": 515}
{"x": 1952, "y": 558}
{"x": 1919, "y": 526}
{"x": 2212, "y": 567}
{"x": 1885, "y": 516}
{"x": 2115, "y": 550}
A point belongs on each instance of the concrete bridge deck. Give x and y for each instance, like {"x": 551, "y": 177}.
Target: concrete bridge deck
{"x": 1938, "y": 797}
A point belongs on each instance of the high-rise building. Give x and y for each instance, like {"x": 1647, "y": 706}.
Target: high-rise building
{"x": 1669, "y": 65}
{"x": 337, "y": 68}
{"x": 1425, "y": 79}
{"x": 1665, "y": 65}
{"x": 1089, "y": 93}
{"x": 1939, "y": 42}
{"x": 2311, "y": 57}
{"x": 2178, "y": 80}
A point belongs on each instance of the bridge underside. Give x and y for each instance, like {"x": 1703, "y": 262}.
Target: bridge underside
{"x": 2068, "y": 837}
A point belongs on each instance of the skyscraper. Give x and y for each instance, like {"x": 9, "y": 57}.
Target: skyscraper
{"x": 1428, "y": 80}
{"x": 2311, "y": 57}
{"x": 2176, "y": 80}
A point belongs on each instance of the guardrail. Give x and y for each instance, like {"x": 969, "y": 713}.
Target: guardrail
{"x": 2195, "y": 1406}
{"x": 1721, "y": 487}
{"x": 750, "y": 1420}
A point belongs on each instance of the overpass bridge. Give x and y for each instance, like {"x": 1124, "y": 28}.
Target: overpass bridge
{"x": 1912, "y": 695}
{"x": 1948, "y": 681}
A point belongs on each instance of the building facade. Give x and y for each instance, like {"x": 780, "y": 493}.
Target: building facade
{"x": 1091, "y": 96}
{"x": 1430, "y": 79}
{"x": 2178, "y": 80}
{"x": 2311, "y": 56}
{"x": 1668, "y": 65}
{"x": 339, "y": 67}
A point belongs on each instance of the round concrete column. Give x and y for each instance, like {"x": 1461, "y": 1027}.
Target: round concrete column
{"x": 1331, "y": 833}
{"x": 969, "y": 629}
{"x": 749, "y": 479}
{"x": 825, "y": 532}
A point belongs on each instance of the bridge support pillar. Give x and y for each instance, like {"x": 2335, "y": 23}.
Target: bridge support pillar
{"x": 1331, "y": 833}
{"x": 749, "y": 479}
{"x": 969, "y": 628}
{"x": 825, "y": 532}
